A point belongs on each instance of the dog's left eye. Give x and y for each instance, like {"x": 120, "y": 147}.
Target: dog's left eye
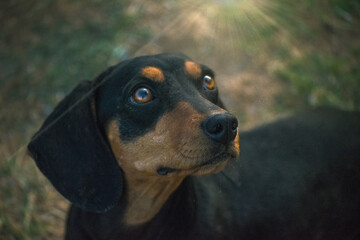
{"x": 142, "y": 95}
{"x": 208, "y": 83}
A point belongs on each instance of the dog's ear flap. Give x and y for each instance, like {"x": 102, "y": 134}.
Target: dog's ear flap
{"x": 72, "y": 153}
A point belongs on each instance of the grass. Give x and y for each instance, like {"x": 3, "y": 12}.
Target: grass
{"x": 321, "y": 80}
{"x": 20, "y": 209}
{"x": 326, "y": 72}
{"x": 313, "y": 42}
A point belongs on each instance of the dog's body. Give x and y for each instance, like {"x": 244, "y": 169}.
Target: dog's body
{"x": 127, "y": 150}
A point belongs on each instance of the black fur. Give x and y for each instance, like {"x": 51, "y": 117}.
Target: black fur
{"x": 72, "y": 153}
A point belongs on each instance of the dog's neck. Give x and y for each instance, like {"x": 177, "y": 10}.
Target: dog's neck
{"x": 146, "y": 195}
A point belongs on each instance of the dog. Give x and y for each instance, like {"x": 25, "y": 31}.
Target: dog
{"x": 148, "y": 151}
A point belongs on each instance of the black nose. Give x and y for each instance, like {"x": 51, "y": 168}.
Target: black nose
{"x": 221, "y": 127}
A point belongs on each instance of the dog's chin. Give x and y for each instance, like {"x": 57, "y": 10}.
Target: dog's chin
{"x": 214, "y": 165}
{"x": 210, "y": 168}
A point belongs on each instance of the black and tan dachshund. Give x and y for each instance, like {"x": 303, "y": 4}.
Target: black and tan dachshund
{"x": 140, "y": 152}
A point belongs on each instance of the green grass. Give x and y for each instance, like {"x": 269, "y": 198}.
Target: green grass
{"x": 314, "y": 44}
{"x": 21, "y": 200}
{"x": 321, "y": 80}
{"x": 327, "y": 72}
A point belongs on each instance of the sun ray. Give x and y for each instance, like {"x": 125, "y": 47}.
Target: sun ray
{"x": 182, "y": 17}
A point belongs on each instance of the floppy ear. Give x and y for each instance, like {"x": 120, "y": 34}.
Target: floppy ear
{"x": 71, "y": 152}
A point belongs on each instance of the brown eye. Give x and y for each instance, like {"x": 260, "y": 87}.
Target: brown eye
{"x": 142, "y": 95}
{"x": 208, "y": 83}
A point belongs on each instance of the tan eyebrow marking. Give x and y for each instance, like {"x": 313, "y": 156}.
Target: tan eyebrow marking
{"x": 153, "y": 73}
{"x": 193, "y": 69}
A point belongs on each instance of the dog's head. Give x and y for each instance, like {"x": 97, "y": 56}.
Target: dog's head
{"x": 158, "y": 115}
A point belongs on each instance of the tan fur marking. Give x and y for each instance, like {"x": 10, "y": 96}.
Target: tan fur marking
{"x": 193, "y": 69}
{"x": 178, "y": 142}
{"x": 146, "y": 191}
{"x": 237, "y": 143}
{"x": 153, "y": 73}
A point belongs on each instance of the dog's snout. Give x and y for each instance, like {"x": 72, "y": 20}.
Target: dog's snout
{"x": 221, "y": 127}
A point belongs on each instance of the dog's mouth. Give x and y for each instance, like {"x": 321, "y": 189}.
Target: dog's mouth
{"x": 221, "y": 158}
{"x": 217, "y": 159}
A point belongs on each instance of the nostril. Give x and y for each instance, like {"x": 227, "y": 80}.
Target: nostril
{"x": 217, "y": 128}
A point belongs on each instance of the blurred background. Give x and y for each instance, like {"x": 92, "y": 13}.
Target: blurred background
{"x": 272, "y": 58}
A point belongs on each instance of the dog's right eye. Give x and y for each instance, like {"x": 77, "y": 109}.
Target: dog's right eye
{"x": 142, "y": 95}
